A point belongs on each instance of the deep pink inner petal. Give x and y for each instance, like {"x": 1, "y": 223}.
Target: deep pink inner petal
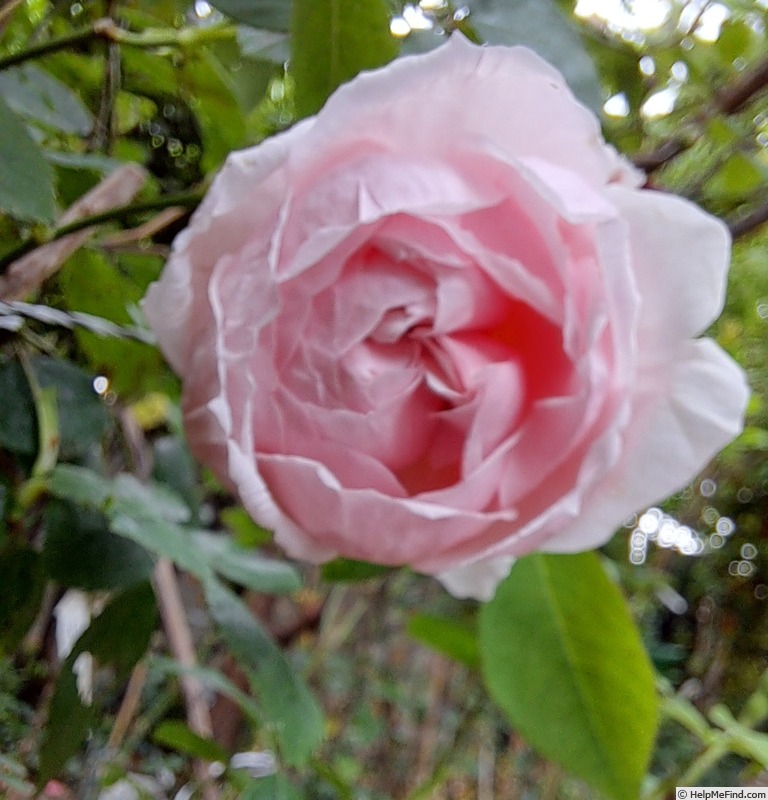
{"x": 426, "y": 376}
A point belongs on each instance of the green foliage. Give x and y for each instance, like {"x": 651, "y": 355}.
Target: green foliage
{"x": 211, "y": 679}
{"x": 13, "y": 776}
{"x": 557, "y": 648}
{"x": 286, "y": 704}
{"x": 91, "y": 284}
{"x": 26, "y": 180}
{"x": 152, "y": 516}
{"x": 563, "y": 659}
{"x": 333, "y": 40}
{"x": 23, "y": 580}
{"x": 347, "y": 570}
{"x": 274, "y": 787}
{"x": 117, "y": 638}
{"x": 177, "y": 736}
{"x": 82, "y": 418}
{"x": 244, "y": 567}
{"x": 540, "y": 25}
{"x": 80, "y": 551}
{"x": 18, "y": 424}
{"x": 456, "y": 639}
{"x": 272, "y": 15}
{"x": 35, "y": 94}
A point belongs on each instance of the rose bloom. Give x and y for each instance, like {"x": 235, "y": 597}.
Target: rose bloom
{"x": 440, "y": 325}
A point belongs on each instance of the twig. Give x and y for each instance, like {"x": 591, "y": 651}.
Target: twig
{"x": 78, "y": 36}
{"x": 6, "y": 10}
{"x": 148, "y": 229}
{"x": 35, "y": 636}
{"x": 697, "y": 18}
{"x": 754, "y": 219}
{"x": 117, "y": 214}
{"x": 733, "y": 97}
{"x": 27, "y": 270}
{"x": 175, "y": 623}
{"x": 180, "y": 641}
{"x": 103, "y": 129}
{"x": 128, "y": 707}
{"x": 730, "y": 99}
{"x": 109, "y": 31}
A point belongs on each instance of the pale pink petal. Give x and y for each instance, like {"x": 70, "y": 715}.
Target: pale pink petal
{"x": 680, "y": 258}
{"x": 683, "y": 413}
{"x": 446, "y": 334}
{"x": 509, "y": 99}
{"x": 477, "y": 579}
{"x": 241, "y": 207}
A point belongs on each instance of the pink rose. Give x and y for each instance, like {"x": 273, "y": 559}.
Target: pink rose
{"x": 440, "y": 325}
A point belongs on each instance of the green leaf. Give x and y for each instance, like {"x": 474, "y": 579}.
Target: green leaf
{"x": 91, "y": 284}
{"x": 18, "y": 423}
{"x": 34, "y": 93}
{"x": 246, "y": 532}
{"x": 540, "y": 25}
{"x": 173, "y": 465}
{"x": 177, "y": 736}
{"x": 263, "y": 45}
{"x": 83, "y": 418}
{"x": 333, "y": 40}
{"x": 722, "y": 131}
{"x": 69, "y": 722}
{"x": 147, "y": 500}
{"x": 454, "y": 638}
{"x": 80, "y": 485}
{"x": 26, "y": 178}
{"x": 99, "y": 165}
{"x": 286, "y": 703}
{"x": 272, "y": 15}
{"x": 251, "y": 64}
{"x": 13, "y": 776}
{"x": 147, "y": 513}
{"x": 80, "y": 550}
{"x": 273, "y": 787}
{"x": 563, "y": 659}
{"x": 118, "y": 637}
{"x": 216, "y": 106}
{"x": 347, "y": 570}
{"x": 22, "y": 578}
{"x": 212, "y": 679}
{"x": 245, "y": 567}
{"x": 163, "y": 538}
{"x": 145, "y": 72}
{"x": 48, "y": 438}
{"x": 733, "y": 41}
{"x": 737, "y": 177}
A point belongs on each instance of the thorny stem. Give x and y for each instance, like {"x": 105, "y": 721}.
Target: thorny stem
{"x": 108, "y": 30}
{"x": 188, "y": 199}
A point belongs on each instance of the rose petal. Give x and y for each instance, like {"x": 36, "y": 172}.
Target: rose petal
{"x": 389, "y": 105}
{"x": 682, "y": 415}
{"x": 680, "y": 258}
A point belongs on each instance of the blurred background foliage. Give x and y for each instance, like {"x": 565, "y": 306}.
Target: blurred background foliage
{"x": 114, "y": 114}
